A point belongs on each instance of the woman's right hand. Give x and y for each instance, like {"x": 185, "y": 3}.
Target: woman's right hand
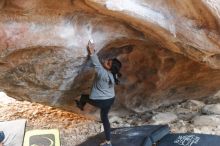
{"x": 90, "y": 48}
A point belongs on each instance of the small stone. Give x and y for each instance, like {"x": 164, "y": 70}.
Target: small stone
{"x": 115, "y": 119}
{"x": 211, "y": 109}
{"x": 102, "y": 128}
{"x": 196, "y": 130}
{"x": 164, "y": 118}
{"x": 193, "y": 105}
{"x": 126, "y": 125}
{"x": 146, "y": 116}
{"x": 207, "y": 120}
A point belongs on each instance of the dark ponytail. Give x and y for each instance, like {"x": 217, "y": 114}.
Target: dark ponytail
{"x": 116, "y": 66}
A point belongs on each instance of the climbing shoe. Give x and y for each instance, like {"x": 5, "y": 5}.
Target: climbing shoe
{"x": 106, "y": 144}
{"x": 79, "y": 105}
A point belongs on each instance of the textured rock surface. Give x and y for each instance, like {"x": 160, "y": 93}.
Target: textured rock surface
{"x": 207, "y": 120}
{"x": 164, "y": 118}
{"x": 212, "y": 109}
{"x": 169, "y": 49}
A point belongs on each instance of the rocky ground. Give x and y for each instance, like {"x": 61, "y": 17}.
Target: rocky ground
{"x": 188, "y": 116}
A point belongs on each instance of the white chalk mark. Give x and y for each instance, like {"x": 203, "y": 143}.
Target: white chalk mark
{"x": 215, "y": 4}
{"x": 143, "y": 11}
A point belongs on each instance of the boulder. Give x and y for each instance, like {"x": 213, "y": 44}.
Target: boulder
{"x": 169, "y": 50}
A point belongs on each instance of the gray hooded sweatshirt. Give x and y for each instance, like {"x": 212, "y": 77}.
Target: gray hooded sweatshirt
{"x": 101, "y": 89}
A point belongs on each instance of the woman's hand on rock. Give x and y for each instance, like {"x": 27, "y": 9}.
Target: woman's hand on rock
{"x": 90, "y": 48}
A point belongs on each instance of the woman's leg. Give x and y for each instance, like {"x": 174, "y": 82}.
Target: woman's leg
{"x": 82, "y": 101}
{"x": 104, "y": 117}
{"x": 85, "y": 99}
{"x": 105, "y": 108}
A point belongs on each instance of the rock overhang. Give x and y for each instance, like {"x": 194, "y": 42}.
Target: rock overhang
{"x": 169, "y": 49}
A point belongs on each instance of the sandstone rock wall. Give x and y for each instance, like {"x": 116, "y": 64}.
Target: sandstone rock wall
{"x": 169, "y": 49}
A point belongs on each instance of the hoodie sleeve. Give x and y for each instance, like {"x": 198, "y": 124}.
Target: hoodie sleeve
{"x": 96, "y": 64}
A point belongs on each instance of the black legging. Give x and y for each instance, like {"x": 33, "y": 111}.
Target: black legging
{"x": 105, "y": 106}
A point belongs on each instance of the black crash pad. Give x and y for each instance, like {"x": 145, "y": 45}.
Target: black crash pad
{"x": 190, "y": 139}
{"x": 131, "y": 136}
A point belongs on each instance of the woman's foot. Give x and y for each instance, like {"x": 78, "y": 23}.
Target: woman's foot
{"x": 79, "y": 105}
{"x": 106, "y": 143}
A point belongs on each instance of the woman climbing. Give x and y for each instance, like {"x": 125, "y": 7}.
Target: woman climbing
{"x": 103, "y": 93}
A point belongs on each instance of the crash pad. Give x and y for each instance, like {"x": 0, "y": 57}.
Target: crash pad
{"x": 13, "y": 131}
{"x": 42, "y": 137}
{"x": 190, "y": 139}
{"x": 131, "y": 136}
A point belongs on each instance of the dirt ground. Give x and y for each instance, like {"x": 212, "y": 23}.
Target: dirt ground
{"x": 75, "y": 128}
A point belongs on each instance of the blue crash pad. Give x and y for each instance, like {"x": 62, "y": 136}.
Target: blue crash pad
{"x": 131, "y": 136}
{"x": 190, "y": 139}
